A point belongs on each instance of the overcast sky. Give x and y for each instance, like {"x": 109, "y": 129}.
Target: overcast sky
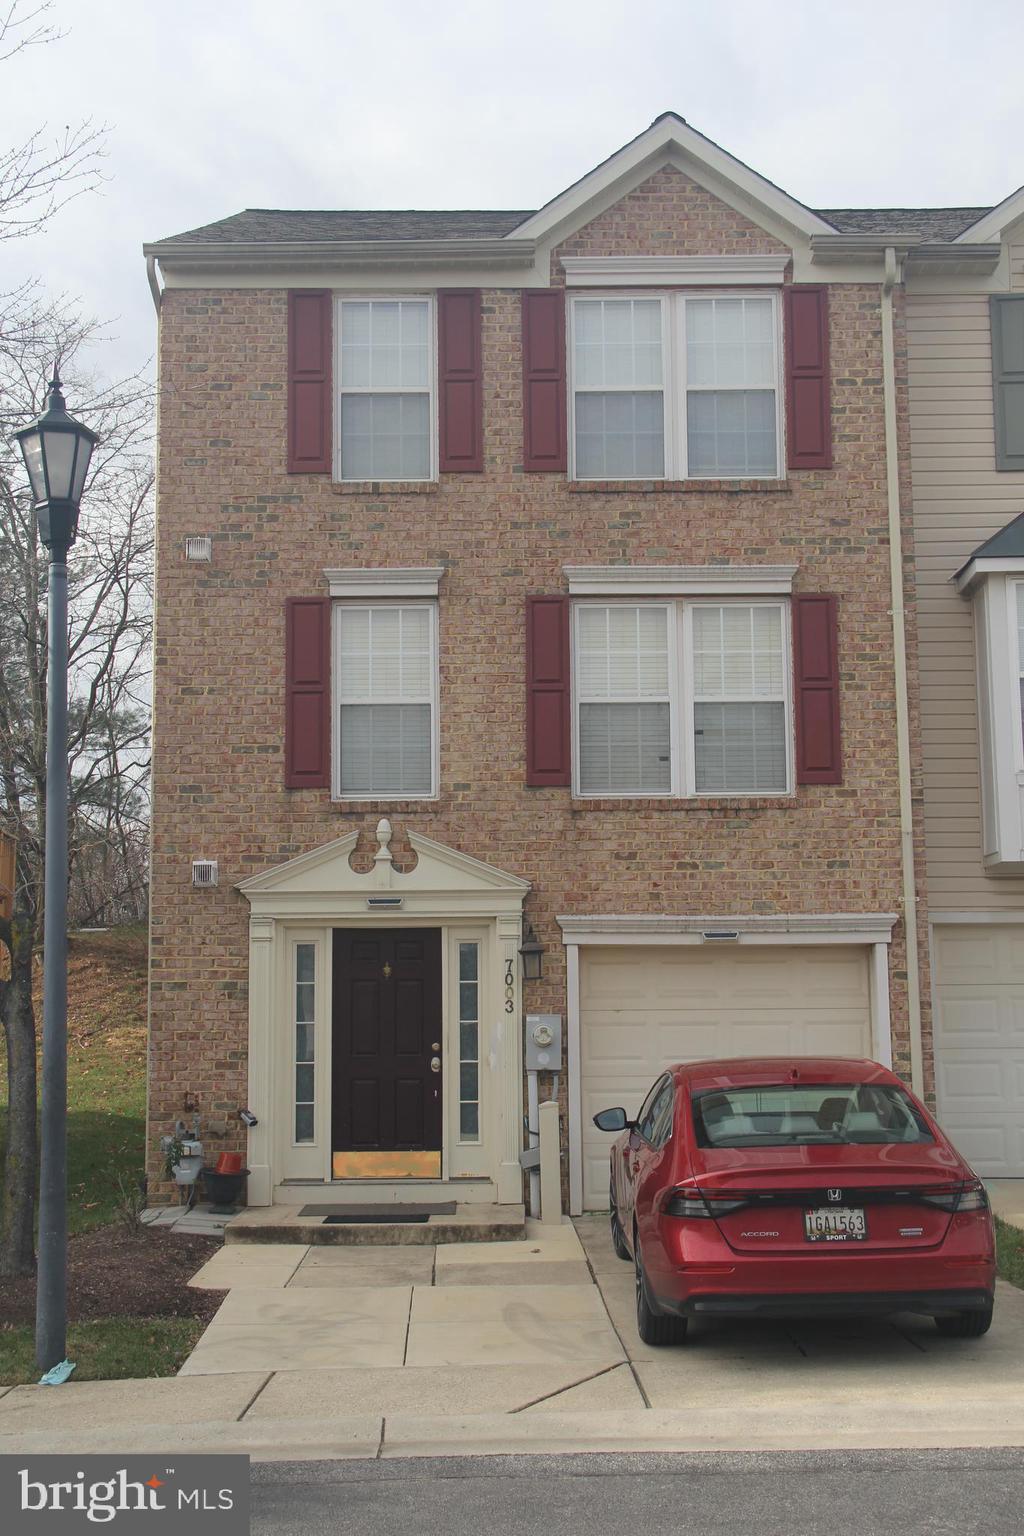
{"x": 213, "y": 107}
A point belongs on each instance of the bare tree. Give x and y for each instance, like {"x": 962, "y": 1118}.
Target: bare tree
{"x": 110, "y": 605}
{"x": 109, "y": 648}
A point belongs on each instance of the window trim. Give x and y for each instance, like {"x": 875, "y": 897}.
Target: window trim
{"x": 1016, "y": 675}
{"x": 681, "y": 697}
{"x": 430, "y": 299}
{"x": 337, "y": 794}
{"x": 674, "y": 384}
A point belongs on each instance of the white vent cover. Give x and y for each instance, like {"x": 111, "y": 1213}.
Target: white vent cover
{"x": 204, "y": 871}
{"x": 199, "y": 547}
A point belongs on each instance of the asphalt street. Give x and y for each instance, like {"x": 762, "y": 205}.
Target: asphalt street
{"x": 774, "y": 1493}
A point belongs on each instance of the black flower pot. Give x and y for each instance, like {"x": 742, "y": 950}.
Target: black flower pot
{"x": 224, "y": 1190}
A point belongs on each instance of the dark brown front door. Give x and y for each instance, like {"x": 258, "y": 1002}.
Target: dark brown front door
{"x": 386, "y": 1090}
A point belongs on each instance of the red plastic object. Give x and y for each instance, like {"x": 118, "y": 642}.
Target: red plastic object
{"x": 229, "y": 1162}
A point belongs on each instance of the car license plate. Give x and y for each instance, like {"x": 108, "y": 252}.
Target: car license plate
{"x": 835, "y": 1224}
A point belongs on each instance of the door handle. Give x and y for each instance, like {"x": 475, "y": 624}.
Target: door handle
{"x": 435, "y": 1063}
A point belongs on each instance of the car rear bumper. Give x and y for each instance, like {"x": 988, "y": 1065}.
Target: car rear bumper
{"x": 829, "y": 1304}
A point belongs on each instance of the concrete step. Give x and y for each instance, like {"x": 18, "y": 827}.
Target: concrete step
{"x": 468, "y": 1224}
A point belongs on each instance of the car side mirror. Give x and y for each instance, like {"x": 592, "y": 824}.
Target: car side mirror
{"x": 613, "y": 1120}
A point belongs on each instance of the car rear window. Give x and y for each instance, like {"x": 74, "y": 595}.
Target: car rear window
{"x": 806, "y": 1114}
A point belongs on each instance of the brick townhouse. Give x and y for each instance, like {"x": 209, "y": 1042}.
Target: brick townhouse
{"x": 528, "y": 578}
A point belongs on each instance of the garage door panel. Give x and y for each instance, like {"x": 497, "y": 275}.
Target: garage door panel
{"x": 966, "y": 954}
{"x": 979, "y": 1043}
{"x": 642, "y": 1009}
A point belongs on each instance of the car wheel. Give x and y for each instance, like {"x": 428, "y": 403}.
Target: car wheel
{"x": 618, "y": 1241}
{"x": 965, "y": 1325}
{"x": 653, "y": 1327}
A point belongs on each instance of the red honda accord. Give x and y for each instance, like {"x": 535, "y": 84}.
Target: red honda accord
{"x": 795, "y": 1187}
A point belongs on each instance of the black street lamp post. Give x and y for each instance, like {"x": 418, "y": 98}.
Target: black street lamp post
{"x": 57, "y": 450}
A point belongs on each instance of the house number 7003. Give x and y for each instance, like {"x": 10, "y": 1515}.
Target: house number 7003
{"x": 510, "y": 987}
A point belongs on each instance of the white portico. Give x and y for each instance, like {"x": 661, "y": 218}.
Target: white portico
{"x": 308, "y": 911}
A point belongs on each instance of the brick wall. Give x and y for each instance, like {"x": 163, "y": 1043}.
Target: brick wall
{"x": 219, "y": 704}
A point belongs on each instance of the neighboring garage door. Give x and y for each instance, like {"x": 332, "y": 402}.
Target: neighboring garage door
{"x": 979, "y": 1043}
{"x": 642, "y": 1009}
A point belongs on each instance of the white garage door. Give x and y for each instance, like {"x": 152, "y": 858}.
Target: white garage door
{"x": 643, "y": 1009}
{"x": 979, "y": 1043}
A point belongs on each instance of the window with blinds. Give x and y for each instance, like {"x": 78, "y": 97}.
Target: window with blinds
{"x": 385, "y": 371}
{"x": 622, "y": 680}
{"x": 676, "y": 386}
{"x": 385, "y": 700}
{"x": 739, "y": 692}
{"x": 682, "y": 698}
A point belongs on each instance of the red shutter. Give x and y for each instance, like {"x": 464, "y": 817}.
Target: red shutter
{"x": 547, "y": 691}
{"x": 309, "y": 382}
{"x": 544, "y": 433}
{"x": 816, "y": 676}
{"x": 460, "y": 381}
{"x": 307, "y": 727}
{"x": 808, "y": 386}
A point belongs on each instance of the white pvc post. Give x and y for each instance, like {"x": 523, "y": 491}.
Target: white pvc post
{"x": 550, "y": 1164}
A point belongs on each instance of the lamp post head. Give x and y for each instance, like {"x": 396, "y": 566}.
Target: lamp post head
{"x": 56, "y": 449}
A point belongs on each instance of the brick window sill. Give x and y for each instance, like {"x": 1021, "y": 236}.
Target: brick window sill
{"x": 679, "y": 487}
{"x": 734, "y": 806}
{"x": 385, "y": 487}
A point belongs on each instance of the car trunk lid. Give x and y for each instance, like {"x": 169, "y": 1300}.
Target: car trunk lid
{"x": 826, "y": 1198}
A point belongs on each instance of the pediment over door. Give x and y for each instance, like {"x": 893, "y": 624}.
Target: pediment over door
{"x": 443, "y": 883}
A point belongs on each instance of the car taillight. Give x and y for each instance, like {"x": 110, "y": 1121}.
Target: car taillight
{"x": 694, "y": 1203}
{"x": 969, "y": 1197}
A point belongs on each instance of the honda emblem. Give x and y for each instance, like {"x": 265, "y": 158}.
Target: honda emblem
{"x": 835, "y": 1195}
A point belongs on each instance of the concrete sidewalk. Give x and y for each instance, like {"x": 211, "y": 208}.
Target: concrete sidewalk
{"x": 416, "y": 1352}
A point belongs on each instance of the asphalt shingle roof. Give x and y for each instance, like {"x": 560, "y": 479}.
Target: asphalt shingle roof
{"x": 272, "y": 224}
{"x": 931, "y": 223}
{"x": 301, "y": 225}
{"x": 1007, "y": 544}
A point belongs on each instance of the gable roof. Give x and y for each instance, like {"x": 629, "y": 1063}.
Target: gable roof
{"x": 669, "y": 139}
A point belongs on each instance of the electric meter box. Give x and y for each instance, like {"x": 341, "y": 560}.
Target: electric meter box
{"x": 543, "y": 1042}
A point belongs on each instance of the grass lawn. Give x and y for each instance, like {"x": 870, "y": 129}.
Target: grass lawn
{"x": 1010, "y": 1253}
{"x": 106, "y": 1350}
{"x": 106, "y": 1070}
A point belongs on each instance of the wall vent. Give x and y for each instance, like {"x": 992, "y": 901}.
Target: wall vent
{"x": 199, "y": 547}
{"x": 204, "y": 871}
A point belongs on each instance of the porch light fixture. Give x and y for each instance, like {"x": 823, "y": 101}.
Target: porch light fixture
{"x": 532, "y": 951}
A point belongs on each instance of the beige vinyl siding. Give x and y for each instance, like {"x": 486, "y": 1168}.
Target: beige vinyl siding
{"x": 959, "y": 501}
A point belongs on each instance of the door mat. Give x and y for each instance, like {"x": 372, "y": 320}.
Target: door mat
{"x": 378, "y": 1212}
{"x": 402, "y": 1218}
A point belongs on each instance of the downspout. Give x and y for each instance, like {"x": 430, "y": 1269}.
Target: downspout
{"x": 899, "y": 637}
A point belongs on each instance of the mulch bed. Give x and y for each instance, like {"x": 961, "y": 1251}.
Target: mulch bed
{"x": 116, "y": 1273}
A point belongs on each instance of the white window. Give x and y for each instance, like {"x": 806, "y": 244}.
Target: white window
{"x": 682, "y": 698}
{"x": 469, "y": 1042}
{"x": 385, "y": 700}
{"x": 739, "y": 699}
{"x": 676, "y": 387}
{"x": 385, "y": 405}
{"x": 304, "y": 1023}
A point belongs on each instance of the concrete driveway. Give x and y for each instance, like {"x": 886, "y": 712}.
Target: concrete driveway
{"x": 526, "y": 1346}
{"x": 830, "y": 1362}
